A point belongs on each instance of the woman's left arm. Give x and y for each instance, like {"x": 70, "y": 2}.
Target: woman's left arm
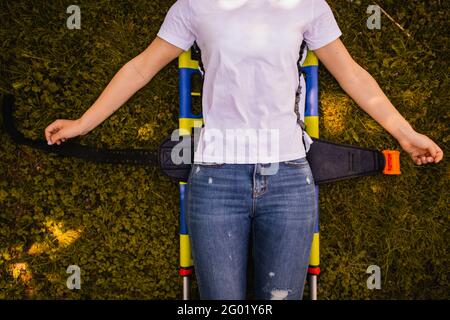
{"x": 366, "y": 92}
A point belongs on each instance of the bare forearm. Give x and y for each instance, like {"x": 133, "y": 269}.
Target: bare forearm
{"x": 123, "y": 85}
{"x": 366, "y": 92}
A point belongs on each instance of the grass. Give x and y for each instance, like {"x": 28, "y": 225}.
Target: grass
{"x": 120, "y": 223}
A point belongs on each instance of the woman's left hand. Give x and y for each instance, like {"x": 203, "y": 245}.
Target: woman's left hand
{"x": 422, "y": 149}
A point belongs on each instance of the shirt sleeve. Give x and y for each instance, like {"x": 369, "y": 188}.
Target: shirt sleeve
{"x": 176, "y": 28}
{"x": 323, "y": 27}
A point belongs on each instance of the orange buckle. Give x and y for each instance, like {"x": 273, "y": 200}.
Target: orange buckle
{"x": 392, "y": 158}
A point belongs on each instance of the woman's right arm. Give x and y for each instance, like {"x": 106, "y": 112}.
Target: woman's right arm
{"x": 134, "y": 75}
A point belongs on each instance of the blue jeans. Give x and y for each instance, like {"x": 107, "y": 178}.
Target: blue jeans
{"x": 225, "y": 202}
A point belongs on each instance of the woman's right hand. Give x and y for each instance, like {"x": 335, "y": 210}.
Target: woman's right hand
{"x": 61, "y": 130}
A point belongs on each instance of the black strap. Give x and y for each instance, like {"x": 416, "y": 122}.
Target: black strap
{"x": 329, "y": 161}
{"x": 299, "y": 91}
{"x": 196, "y": 54}
{"x": 71, "y": 149}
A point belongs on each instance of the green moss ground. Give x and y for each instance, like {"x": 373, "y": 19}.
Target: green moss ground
{"x": 120, "y": 223}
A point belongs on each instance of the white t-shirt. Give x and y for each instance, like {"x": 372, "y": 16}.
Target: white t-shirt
{"x": 250, "y": 50}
